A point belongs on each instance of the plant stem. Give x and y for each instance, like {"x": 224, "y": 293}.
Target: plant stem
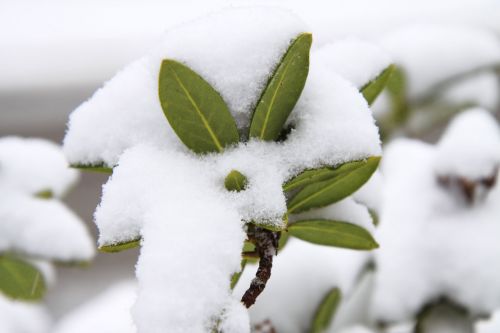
{"x": 266, "y": 245}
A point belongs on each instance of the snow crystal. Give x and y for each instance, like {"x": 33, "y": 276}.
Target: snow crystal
{"x": 355, "y": 60}
{"x": 23, "y": 317}
{"x": 470, "y": 147}
{"x": 430, "y": 54}
{"x": 431, "y": 242}
{"x": 109, "y": 312}
{"x": 42, "y": 228}
{"x": 34, "y": 165}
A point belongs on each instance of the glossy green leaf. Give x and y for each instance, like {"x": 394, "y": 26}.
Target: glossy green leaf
{"x": 235, "y": 181}
{"x": 101, "y": 168}
{"x": 20, "y": 280}
{"x": 197, "y": 113}
{"x": 326, "y": 311}
{"x": 373, "y": 88}
{"x": 317, "y": 175}
{"x": 111, "y": 248}
{"x": 282, "y": 91}
{"x": 333, "y": 233}
{"x": 349, "y": 177}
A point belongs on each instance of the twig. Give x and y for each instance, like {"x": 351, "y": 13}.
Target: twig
{"x": 266, "y": 245}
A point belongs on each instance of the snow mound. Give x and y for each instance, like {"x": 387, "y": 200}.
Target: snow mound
{"x": 23, "y": 317}
{"x": 38, "y": 227}
{"x": 34, "y": 165}
{"x": 109, "y": 312}
{"x": 470, "y": 147}
{"x": 432, "y": 242}
{"x": 430, "y": 53}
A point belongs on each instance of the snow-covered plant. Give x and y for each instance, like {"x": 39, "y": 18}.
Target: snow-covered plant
{"x": 244, "y": 154}
{"x": 441, "y": 70}
{"x": 439, "y": 226}
{"x": 35, "y": 225}
{"x": 36, "y": 229}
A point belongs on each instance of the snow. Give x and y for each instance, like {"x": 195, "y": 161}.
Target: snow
{"x": 490, "y": 325}
{"x": 356, "y": 329}
{"x": 431, "y": 53}
{"x": 430, "y": 241}
{"x": 346, "y": 210}
{"x": 303, "y": 273}
{"x": 22, "y": 317}
{"x": 356, "y": 60}
{"x": 192, "y": 227}
{"x": 41, "y": 228}
{"x": 109, "y": 312}
{"x": 34, "y": 165}
{"x": 480, "y": 89}
{"x": 470, "y": 147}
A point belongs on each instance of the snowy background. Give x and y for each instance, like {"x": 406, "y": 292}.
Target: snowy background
{"x": 55, "y": 54}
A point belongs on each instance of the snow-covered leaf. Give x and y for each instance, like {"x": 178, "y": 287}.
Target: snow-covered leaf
{"x": 102, "y": 168}
{"x": 197, "y": 113}
{"x": 282, "y": 91}
{"x": 235, "y": 181}
{"x": 20, "y": 280}
{"x": 120, "y": 246}
{"x": 326, "y": 311}
{"x": 333, "y": 233}
{"x": 373, "y": 88}
{"x": 347, "y": 179}
{"x": 236, "y": 276}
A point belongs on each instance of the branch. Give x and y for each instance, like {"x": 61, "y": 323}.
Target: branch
{"x": 266, "y": 245}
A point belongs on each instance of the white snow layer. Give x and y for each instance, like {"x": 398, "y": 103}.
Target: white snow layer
{"x": 432, "y": 242}
{"x": 430, "y": 54}
{"x": 470, "y": 147}
{"x": 355, "y": 60}
{"x": 43, "y": 228}
{"x": 175, "y": 201}
{"x": 490, "y": 325}
{"x": 22, "y": 317}
{"x": 34, "y": 165}
{"x": 109, "y": 312}
{"x": 303, "y": 273}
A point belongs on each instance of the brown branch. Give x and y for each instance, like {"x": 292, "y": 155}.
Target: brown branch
{"x": 266, "y": 245}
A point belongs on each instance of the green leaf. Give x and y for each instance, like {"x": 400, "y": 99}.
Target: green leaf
{"x": 326, "y": 311}
{"x": 45, "y": 194}
{"x": 118, "y": 247}
{"x": 333, "y": 233}
{"x": 316, "y": 175}
{"x": 236, "y": 276}
{"x": 282, "y": 91}
{"x": 102, "y": 168}
{"x": 373, "y": 88}
{"x": 348, "y": 178}
{"x": 235, "y": 181}
{"x": 197, "y": 113}
{"x": 20, "y": 279}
